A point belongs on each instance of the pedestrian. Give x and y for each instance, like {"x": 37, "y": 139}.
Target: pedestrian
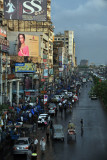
{"x": 49, "y": 119}
{"x": 35, "y": 145}
{"x": 47, "y": 132}
{"x": 21, "y": 118}
{"x": 30, "y": 117}
{"x": 81, "y": 123}
{"x": 43, "y": 144}
{"x": 56, "y": 111}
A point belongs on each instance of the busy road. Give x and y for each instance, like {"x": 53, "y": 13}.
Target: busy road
{"x": 90, "y": 144}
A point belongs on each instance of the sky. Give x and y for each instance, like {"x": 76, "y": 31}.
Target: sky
{"x": 88, "y": 20}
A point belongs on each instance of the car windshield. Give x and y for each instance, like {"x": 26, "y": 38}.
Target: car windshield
{"x": 58, "y": 130}
{"x": 21, "y": 142}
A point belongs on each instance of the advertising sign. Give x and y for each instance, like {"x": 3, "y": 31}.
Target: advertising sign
{"x": 60, "y": 69}
{"x": 31, "y": 10}
{"x": 2, "y": 32}
{"x": 24, "y": 67}
{"x": 45, "y": 99}
{"x": 51, "y": 71}
{"x": 22, "y": 44}
{"x": 45, "y": 72}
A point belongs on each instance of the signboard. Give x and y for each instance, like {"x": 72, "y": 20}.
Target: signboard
{"x": 45, "y": 99}
{"x": 60, "y": 69}
{"x": 4, "y": 42}
{"x": 45, "y": 73}
{"x": 24, "y": 67}
{"x": 2, "y": 32}
{"x": 51, "y": 71}
{"x": 31, "y": 10}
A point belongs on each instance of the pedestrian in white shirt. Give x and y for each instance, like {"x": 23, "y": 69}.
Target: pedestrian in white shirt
{"x": 35, "y": 145}
{"x": 43, "y": 144}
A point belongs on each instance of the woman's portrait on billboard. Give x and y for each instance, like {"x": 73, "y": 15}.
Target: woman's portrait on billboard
{"x": 11, "y": 9}
{"x": 23, "y": 49}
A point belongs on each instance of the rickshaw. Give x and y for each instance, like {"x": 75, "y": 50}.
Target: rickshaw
{"x": 71, "y": 133}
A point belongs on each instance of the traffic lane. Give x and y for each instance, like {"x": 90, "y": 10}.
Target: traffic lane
{"x": 92, "y": 144}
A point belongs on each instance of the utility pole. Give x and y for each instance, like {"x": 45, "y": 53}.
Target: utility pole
{"x": 6, "y": 78}
{"x": 1, "y": 79}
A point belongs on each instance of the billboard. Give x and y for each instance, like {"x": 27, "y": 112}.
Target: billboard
{"x": 31, "y": 10}
{"x": 24, "y": 67}
{"x": 22, "y": 44}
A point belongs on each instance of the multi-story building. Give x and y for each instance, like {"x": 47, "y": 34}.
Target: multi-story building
{"x": 43, "y": 30}
{"x": 68, "y": 39}
{"x": 84, "y": 62}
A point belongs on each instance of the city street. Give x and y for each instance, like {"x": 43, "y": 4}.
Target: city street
{"x": 91, "y": 144}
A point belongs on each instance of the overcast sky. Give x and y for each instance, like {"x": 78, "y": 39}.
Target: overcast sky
{"x": 88, "y": 20}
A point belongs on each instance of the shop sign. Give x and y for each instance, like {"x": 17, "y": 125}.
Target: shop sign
{"x": 42, "y": 80}
{"x": 44, "y": 60}
{"x": 60, "y": 69}
{"x": 25, "y": 67}
{"x": 4, "y": 42}
{"x": 11, "y": 76}
{"x": 2, "y": 32}
{"x": 27, "y": 93}
{"x": 43, "y": 92}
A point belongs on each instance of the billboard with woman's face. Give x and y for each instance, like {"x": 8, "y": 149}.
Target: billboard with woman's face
{"x": 31, "y": 10}
{"x": 22, "y": 44}
{"x": 28, "y": 45}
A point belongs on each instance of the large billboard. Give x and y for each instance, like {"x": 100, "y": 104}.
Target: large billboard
{"x": 22, "y": 44}
{"x": 31, "y": 10}
{"x": 24, "y": 67}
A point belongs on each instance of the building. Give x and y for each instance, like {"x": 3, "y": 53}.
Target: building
{"x": 84, "y": 62}
{"x": 43, "y": 60}
{"x": 68, "y": 39}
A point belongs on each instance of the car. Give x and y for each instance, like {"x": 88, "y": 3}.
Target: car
{"x": 21, "y": 146}
{"x": 41, "y": 118}
{"x": 93, "y": 97}
{"x": 51, "y": 108}
{"x": 57, "y": 98}
{"x": 57, "y": 132}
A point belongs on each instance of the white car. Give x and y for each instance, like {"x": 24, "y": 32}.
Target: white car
{"x": 22, "y": 145}
{"x": 42, "y": 118}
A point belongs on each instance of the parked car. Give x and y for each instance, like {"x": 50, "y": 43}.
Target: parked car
{"x": 22, "y": 145}
{"x": 57, "y": 132}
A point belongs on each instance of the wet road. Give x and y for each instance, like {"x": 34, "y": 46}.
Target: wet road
{"x": 92, "y": 145}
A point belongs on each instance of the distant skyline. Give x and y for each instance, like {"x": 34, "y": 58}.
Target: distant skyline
{"x": 88, "y": 20}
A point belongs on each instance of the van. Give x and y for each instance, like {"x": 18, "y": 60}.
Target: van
{"x": 57, "y": 132}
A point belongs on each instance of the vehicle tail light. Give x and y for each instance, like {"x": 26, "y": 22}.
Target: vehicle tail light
{"x": 26, "y": 147}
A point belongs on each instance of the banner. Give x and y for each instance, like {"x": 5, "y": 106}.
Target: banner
{"x": 31, "y": 10}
